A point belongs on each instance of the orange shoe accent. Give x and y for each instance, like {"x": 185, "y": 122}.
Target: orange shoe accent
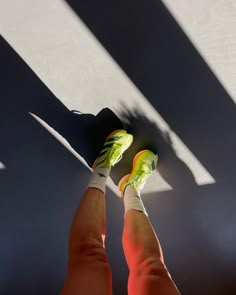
{"x": 112, "y": 133}
{"x": 122, "y": 181}
{"x": 136, "y": 158}
{"x": 126, "y": 177}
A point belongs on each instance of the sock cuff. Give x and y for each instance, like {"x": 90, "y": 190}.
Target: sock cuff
{"x": 132, "y": 200}
{"x": 99, "y": 178}
{"x": 104, "y": 171}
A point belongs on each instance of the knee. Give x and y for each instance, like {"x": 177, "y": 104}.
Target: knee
{"x": 88, "y": 250}
{"x": 153, "y": 266}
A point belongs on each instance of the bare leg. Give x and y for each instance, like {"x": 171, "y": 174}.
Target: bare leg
{"x": 148, "y": 274}
{"x": 88, "y": 269}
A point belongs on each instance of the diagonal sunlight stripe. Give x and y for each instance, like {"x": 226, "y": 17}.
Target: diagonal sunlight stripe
{"x": 80, "y": 72}
{"x": 210, "y": 25}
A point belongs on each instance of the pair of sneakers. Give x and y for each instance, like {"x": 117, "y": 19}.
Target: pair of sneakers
{"x": 143, "y": 164}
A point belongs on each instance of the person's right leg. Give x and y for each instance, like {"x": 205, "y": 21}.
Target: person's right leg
{"x": 148, "y": 273}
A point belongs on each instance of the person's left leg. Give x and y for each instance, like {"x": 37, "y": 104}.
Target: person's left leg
{"x": 88, "y": 269}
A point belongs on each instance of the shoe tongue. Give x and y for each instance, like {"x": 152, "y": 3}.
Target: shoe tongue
{"x": 115, "y": 157}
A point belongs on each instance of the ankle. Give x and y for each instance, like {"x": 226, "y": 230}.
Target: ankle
{"x": 132, "y": 199}
{"x": 99, "y": 178}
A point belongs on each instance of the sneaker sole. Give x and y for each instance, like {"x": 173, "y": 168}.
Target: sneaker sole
{"x": 114, "y": 132}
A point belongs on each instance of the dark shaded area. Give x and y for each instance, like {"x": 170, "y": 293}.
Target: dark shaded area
{"x": 151, "y": 48}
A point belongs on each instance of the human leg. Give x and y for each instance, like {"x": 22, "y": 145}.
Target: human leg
{"x": 148, "y": 273}
{"x": 88, "y": 269}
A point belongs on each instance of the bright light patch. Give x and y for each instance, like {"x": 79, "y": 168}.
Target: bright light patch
{"x": 210, "y": 25}
{"x": 60, "y": 139}
{"x": 2, "y": 166}
{"x": 200, "y": 173}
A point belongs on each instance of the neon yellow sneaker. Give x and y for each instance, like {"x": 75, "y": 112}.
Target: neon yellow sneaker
{"x": 115, "y": 145}
{"x": 143, "y": 164}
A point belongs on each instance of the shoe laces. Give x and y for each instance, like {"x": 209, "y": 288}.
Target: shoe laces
{"x": 114, "y": 153}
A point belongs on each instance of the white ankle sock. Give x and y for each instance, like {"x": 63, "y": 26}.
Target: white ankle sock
{"x": 99, "y": 178}
{"x": 132, "y": 200}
